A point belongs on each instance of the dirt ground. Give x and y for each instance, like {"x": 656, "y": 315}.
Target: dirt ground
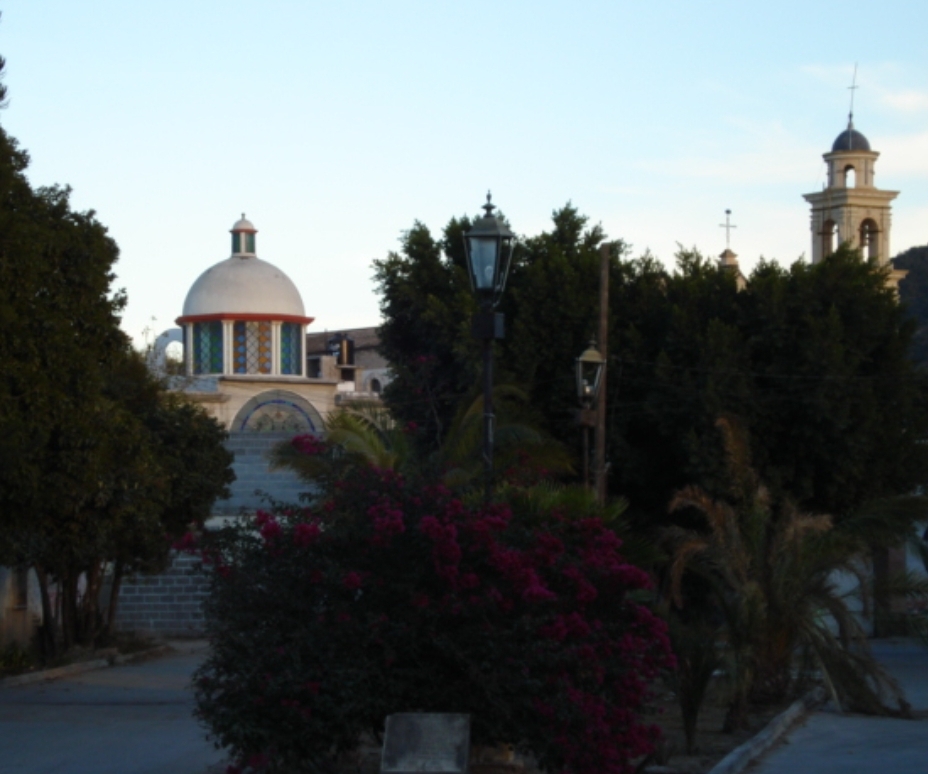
{"x": 711, "y": 743}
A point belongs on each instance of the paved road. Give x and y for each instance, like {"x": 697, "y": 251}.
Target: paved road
{"x": 831, "y": 743}
{"x": 131, "y": 719}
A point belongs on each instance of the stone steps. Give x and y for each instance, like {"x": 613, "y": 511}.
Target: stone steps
{"x": 251, "y": 452}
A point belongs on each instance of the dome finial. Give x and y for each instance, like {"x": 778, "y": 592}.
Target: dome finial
{"x": 850, "y": 113}
{"x": 489, "y": 206}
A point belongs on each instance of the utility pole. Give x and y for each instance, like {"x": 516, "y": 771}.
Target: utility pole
{"x": 604, "y": 252}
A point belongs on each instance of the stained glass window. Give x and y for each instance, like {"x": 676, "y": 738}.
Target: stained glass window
{"x": 251, "y": 348}
{"x": 291, "y": 353}
{"x": 207, "y": 347}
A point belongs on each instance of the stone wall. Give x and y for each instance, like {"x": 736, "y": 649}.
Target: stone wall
{"x": 171, "y": 604}
{"x": 165, "y": 605}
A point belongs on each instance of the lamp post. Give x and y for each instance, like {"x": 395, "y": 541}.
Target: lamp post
{"x": 488, "y": 246}
{"x": 590, "y": 367}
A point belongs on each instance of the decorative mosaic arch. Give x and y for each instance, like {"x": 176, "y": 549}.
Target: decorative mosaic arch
{"x": 277, "y": 411}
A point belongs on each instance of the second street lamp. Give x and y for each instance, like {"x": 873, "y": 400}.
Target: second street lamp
{"x": 590, "y": 367}
{"x": 488, "y": 246}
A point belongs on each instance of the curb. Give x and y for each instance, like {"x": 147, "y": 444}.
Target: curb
{"x": 745, "y": 754}
{"x": 82, "y": 666}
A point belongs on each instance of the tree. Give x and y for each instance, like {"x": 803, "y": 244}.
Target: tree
{"x": 814, "y": 360}
{"x": 97, "y": 463}
{"x": 425, "y": 336}
{"x": 59, "y": 334}
{"x": 190, "y": 469}
{"x": 770, "y": 568}
{"x": 427, "y": 307}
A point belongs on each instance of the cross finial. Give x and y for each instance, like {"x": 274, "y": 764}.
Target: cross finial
{"x": 728, "y": 226}
{"x": 852, "y": 88}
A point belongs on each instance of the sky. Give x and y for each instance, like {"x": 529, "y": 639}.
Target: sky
{"x": 335, "y": 126}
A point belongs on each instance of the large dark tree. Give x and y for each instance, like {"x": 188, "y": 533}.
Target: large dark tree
{"x": 427, "y": 307}
{"x": 97, "y": 463}
{"x": 813, "y": 361}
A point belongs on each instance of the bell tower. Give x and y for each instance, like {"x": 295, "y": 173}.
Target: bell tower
{"x": 851, "y": 208}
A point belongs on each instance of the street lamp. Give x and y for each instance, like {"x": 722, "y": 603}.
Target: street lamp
{"x": 488, "y": 246}
{"x": 590, "y": 367}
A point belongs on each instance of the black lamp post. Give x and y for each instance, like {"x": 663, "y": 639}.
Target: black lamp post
{"x": 488, "y": 246}
{"x": 590, "y": 367}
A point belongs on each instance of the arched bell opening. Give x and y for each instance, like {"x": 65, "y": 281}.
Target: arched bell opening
{"x": 849, "y": 175}
{"x": 829, "y": 237}
{"x": 869, "y": 239}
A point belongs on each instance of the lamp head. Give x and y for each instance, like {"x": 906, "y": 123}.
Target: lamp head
{"x": 488, "y": 246}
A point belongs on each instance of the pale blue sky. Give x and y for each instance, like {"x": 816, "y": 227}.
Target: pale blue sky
{"x": 335, "y": 125}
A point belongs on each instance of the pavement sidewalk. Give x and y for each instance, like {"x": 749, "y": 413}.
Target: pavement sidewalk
{"x": 829, "y": 742}
{"x": 126, "y": 719}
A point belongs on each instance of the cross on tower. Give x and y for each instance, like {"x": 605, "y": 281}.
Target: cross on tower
{"x": 852, "y": 88}
{"x": 727, "y": 225}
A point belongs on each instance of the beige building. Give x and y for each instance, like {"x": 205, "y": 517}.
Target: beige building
{"x": 850, "y": 208}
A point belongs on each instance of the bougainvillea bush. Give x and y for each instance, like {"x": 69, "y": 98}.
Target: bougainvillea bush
{"x": 383, "y": 596}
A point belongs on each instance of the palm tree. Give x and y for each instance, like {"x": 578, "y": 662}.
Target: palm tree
{"x": 518, "y": 445}
{"x": 365, "y": 432}
{"x": 771, "y": 570}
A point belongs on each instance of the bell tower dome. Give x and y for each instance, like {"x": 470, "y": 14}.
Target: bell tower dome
{"x": 850, "y": 208}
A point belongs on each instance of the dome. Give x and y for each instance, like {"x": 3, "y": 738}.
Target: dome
{"x": 243, "y": 286}
{"x": 243, "y": 224}
{"x": 850, "y": 140}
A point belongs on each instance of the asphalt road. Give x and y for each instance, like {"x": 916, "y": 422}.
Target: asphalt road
{"x": 833, "y": 743}
{"x": 130, "y": 719}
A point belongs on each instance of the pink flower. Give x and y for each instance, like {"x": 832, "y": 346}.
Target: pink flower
{"x": 305, "y": 534}
{"x": 352, "y": 580}
{"x": 270, "y": 531}
{"x": 535, "y": 592}
{"x": 308, "y": 444}
{"x": 186, "y": 543}
{"x": 262, "y": 517}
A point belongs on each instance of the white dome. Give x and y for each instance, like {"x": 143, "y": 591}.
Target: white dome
{"x": 243, "y": 285}
{"x": 243, "y": 224}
